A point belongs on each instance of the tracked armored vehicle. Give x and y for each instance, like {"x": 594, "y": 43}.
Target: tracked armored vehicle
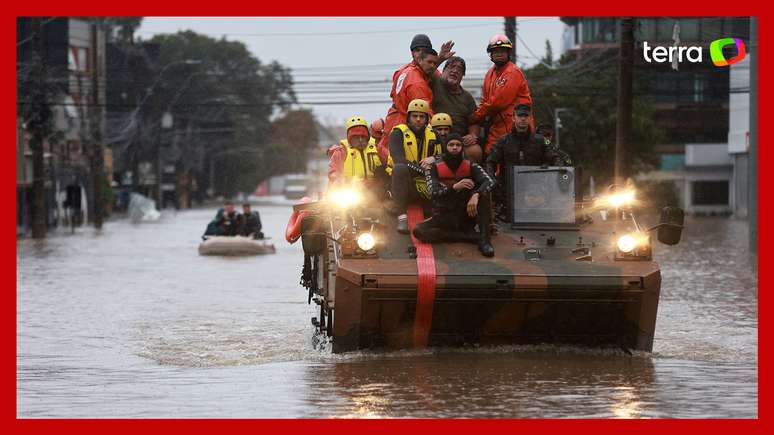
{"x": 565, "y": 271}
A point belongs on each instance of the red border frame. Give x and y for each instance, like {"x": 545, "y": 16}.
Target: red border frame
{"x": 451, "y": 7}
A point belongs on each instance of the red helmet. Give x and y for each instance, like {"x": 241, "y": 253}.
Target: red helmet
{"x": 498, "y": 40}
{"x": 377, "y": 126}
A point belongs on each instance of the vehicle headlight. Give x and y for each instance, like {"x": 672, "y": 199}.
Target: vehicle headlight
{"x": 620, "y": 199}
{"x": 366, "y": 241}
{"x": 345, "y": 198}
{"x": 629, "y": 242}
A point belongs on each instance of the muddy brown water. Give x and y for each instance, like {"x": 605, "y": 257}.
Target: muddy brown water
{"x": 132, "y": 322}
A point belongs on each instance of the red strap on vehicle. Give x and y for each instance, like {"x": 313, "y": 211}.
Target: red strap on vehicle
{"x": 423, "y": 319}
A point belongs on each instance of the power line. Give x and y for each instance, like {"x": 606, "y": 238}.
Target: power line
{"x": 29, "y": 38}
{"x": 364, "y": 32}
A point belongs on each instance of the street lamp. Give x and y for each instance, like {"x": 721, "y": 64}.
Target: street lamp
{"x": 558, "y": 123}
{"x": 166, "y": 122}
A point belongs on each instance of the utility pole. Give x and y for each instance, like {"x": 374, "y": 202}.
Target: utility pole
{"x": 97, "y": 156}
{"x": 510, "y": 32}
{"x": 38, "y": 124}
{"x": 623, "y": 131}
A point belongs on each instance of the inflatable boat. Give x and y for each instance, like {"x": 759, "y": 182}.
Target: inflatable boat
{"x": 236, "y": 245}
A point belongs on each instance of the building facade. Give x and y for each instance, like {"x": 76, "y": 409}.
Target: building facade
{"x": 697, "y": 104}
{"x": 73, "y": 51}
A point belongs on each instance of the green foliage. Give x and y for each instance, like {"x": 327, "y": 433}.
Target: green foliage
{"x": 226, "y": 98}
{"x": 118, "y": 29}
{"x": 549, "y": 57}
{"x": 292, "y": 137}
{"x": 586, "y": 88}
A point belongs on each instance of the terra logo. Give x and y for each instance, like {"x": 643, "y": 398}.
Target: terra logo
{"x": 716, "y": 51}
{"x": 694, "y": 54}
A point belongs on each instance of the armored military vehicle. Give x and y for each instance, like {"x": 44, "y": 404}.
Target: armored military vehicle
{"x": 565, "y": 271}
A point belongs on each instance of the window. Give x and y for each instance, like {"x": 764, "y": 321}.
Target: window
{"x": 577, "y": 32}
{"x": 78, "y": 59}
{"x": 600, "y": 30}
{"x": 689, "y": 30}
{"x": 666, "y": 88}
{"x": 672, "y": 162}
{"x": 710, "y": 192}
{"x": 646, "y": 29}
{"x": 544, "y": 196}
{"x": 698, "y": 89}
{"x": 664, "y": 29}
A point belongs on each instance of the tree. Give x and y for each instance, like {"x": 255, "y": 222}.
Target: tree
{"x": 223, "y": 98}
{"x": 117, "y": 29}
{"x": 549, "y": 57}
{"x": 585, "y": 87}
{"x": 292, "y": 137}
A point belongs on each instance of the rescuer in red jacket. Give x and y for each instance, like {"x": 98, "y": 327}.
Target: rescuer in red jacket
{"x": 409, "y": 73}
{"x": 504, "y": 87}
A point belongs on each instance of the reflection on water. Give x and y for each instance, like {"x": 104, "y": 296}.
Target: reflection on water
{"x": 132, "y": 322}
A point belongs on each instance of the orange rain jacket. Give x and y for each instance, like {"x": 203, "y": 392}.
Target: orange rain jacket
{"x": 503, "y": 89}
{"x": 409, "y": 82}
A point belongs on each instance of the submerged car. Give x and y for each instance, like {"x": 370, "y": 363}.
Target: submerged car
{"x": 565, "y": 271}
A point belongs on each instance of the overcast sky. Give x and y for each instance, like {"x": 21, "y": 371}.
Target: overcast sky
{"x": 328, "y": 54}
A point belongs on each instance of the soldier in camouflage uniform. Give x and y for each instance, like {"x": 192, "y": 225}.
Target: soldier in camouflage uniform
{"x": 520, "y": 147}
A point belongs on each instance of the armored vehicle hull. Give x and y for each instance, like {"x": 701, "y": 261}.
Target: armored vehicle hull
{"x": 563, "y": 272}
{"x": 504, "y": 300}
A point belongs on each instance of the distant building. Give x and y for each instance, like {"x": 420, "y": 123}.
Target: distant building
{"x": 69, "y": 66}
{"x": 692, "y": 103}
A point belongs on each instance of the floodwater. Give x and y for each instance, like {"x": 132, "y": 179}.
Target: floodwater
{"x": 132, "y": 322}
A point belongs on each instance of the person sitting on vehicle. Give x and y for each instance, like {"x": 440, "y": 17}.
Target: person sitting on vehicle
{"x": 460, "y": 190}
{"x": 520, "y": 147}
{"x": 250, "y": 223}
{"x": 547, "y": 131}
{"x": 413, "y": 148}
{"x": 413, "y": 83}
{"x": 449, "y": 97}
{"x": 442, "y": 126}
{"x": 225, "y": 222}
{"x": 355, "y": 159}
{"x": 377, "y": 130}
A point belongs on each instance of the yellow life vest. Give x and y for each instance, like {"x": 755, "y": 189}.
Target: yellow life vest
{"x": 411, "y": 151}
{"x": 410, "y": 147}
{"x": 360, "y": 164}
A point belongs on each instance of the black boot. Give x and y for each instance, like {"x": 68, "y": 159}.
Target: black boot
{"x": 486, "y": 248}
{"x": 485, "y": 242}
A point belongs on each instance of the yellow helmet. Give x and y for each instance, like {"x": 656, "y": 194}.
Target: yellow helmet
{"x": 418, "y": 105}
{"x": 441, "y": 119}
{"x": 356, "y": 120}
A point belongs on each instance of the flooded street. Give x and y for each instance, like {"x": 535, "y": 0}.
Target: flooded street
{"x": 132, "y": 322}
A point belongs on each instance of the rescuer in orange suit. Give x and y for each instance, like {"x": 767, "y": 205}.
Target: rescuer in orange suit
{"x": 504, "y": 87}
{"x": 377, "y": 129}
{"x": 416, "y": 73}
